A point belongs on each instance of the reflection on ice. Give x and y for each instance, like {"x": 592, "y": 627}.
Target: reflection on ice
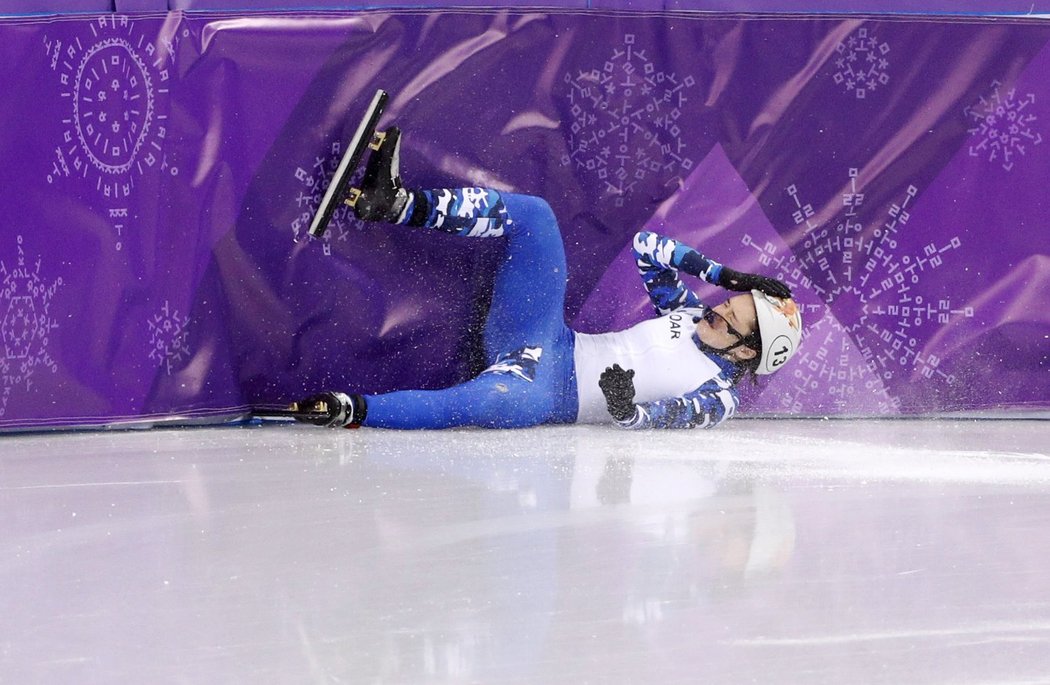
{"x": 785, "y": 551}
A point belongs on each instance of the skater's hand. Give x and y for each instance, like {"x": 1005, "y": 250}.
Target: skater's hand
{"x": 618, "y": 387}
{"x": 324, "y": 409}
{"x": 741, "y": 282}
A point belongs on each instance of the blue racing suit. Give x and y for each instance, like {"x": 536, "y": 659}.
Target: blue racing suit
{"x": 543, "y": 372}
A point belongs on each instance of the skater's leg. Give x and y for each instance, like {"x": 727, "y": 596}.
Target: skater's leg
{"x": 514, "y": 393}
{"x": 527, "y": 310}
{"x": 528, "y": 296}
{"x": 528, "y": 300}
{"x": 466, "y": 212}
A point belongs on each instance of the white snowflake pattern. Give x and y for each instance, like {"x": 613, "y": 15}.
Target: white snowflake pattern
{"x": 1002, "y": 126}
{"x": 625, "y": 120}
{"x": 25, "y": 300}
{"x": 114, "y": 78}
{"x": 862, "y": 64}
{"x": 862, "y": 332}
{"x": 314, "y": 179}
{"x": 169, "y": 337}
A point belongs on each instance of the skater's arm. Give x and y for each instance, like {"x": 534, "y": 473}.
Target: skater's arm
{"x": 659, "y": 260}
{"x": 706, "y": 407}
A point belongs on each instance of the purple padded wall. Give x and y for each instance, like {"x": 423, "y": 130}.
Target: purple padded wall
{"x": 15, "y": 7}
{"x": 160, "y": 170}
{"x": 922, "y": 7}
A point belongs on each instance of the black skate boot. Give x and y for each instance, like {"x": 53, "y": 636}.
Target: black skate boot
{"x": 382, "y": 197}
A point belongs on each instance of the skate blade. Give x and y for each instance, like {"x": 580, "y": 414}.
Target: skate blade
{"x": 337, "y": 190}
{"x": 293, "y": 411}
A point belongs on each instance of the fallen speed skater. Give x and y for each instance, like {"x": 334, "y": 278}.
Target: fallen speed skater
{"x": 678, "y": 370}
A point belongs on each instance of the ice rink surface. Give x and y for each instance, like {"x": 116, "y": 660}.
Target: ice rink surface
{"x": 766, "y": 551}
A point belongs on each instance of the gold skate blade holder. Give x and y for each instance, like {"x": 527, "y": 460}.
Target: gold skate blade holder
{"x": 318, "y": 407}
{"x": 354, "y": 194}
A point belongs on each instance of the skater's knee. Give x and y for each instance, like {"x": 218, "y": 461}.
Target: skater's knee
{"x": 529, "y": 210}
{"x": 506, "y": 404}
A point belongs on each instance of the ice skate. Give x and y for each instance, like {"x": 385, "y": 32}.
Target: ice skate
{"x": 332, "y": 409}
{"x": 339, "y": 190}
{"x": 382, "y": 197}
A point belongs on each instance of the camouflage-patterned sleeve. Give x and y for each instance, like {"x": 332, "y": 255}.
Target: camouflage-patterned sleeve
{"x": 706, "y": 407}
{"x": 659, "y": 260}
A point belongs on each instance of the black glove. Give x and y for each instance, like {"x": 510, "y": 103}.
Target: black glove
{"x": 331, "y": 409}
{"x": 618, "y": 388}
{"x": 741, "y": 282}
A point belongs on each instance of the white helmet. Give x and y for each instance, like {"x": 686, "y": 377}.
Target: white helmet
{"x": 780, "y": 327}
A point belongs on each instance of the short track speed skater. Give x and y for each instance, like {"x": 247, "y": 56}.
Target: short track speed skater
{"x": 339, "y": 191}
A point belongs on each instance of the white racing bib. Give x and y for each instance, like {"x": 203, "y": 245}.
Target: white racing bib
{"x": 662, "y": 353}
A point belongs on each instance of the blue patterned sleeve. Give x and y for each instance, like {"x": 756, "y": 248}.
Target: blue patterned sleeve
{"x": 659, "y": 260}
{"x": 706, "y": 407}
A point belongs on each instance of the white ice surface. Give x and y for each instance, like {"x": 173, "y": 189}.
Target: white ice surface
{"x": 766, "y": 551}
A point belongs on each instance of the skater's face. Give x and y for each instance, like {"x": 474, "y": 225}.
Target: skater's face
{"x": 729, "y": 323}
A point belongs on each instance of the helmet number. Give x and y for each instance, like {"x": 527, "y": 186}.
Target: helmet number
{"x": 779, "y": 356}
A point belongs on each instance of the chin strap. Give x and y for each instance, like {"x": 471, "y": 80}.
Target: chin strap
{"x": 724, "y": 350}
{"x": 715, "y": 350}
